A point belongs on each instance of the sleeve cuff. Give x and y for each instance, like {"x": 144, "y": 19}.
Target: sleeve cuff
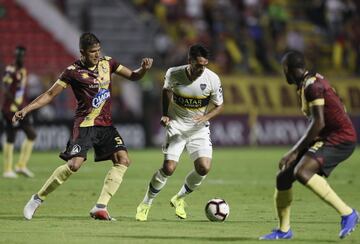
{"x": 119, "y": 68}
{"x": 61, "y": 83}
{"x": 317, "y": 102}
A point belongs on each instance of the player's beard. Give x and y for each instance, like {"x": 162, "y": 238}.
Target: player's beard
{"x": 195, "y": 73}
{"x": 89, "y": 62}
{"x": 292, "y": 79}
{"x": 94, "y": 61}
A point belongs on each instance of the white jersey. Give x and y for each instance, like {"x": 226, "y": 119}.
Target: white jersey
{"x": 191, "y": 98}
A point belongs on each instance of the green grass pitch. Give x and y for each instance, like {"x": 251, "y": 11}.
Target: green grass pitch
{"x": 244, "y": 177}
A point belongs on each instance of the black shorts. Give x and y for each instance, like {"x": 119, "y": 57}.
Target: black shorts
{"x": 11, "y": 129}
{"x": 8, "y": 124}
{"x": 106, "y": 140}
{"x": 329, "y": 156}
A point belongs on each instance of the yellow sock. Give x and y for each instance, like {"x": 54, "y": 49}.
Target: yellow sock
{"x": 111, "y": 183}
{"x": 26, "y": 150}
{"x": 59, "y": 176}
{"x": 8, "y": 156}
{"x": 283, "y": 201}
{"x": 321, "y": 188}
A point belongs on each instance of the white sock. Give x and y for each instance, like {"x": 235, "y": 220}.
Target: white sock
{"x": 157, "y": 182}
{"x": 192, "y": 181}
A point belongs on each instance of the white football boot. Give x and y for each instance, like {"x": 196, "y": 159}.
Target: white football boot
{"x": 10, "y": 175}
{"x": 31, "y": 207}
{"x": 24, "y": 171}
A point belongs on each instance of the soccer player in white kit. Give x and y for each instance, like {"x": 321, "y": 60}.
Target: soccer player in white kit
{"x": 191, "y": 96}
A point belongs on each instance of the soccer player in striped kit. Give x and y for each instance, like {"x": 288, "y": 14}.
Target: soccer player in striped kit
{"x": 90, "y": 80}
{"x": 329, "y": 139}
{"x": 15, "y": 82}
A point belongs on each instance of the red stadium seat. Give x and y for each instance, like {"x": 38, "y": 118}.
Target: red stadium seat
{"x": 45, "y": 54}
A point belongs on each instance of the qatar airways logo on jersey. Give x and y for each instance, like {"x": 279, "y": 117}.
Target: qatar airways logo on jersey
{"x": 100, "y": 98}
{"x": 188, "y": 102}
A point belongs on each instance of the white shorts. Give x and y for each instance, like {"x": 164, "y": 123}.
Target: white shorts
{"x": 198, "y": 143}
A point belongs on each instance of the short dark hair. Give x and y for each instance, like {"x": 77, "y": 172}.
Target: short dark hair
{"x": 87, "y": 39}
{"x": 198, "y": 50}
{"x": 294, "y": 59}
{"x": 20, "y": 48}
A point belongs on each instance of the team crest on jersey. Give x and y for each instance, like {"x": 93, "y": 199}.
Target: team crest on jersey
{"x": 100, "y": 98}
{"x": 202, "y": 86}
{"x": 76, "y": 149}
{"x": 104, "y": 68}
{"x": 84, "y": 75}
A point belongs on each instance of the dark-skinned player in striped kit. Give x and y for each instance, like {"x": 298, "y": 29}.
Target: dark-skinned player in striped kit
{"x": 330, "y": 138}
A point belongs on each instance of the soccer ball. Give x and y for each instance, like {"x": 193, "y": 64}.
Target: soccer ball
{"x": 217, "y": 209}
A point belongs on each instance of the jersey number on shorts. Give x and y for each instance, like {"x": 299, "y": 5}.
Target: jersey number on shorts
{"x": 118, "y": 140}
{"x": 316, "y": 146}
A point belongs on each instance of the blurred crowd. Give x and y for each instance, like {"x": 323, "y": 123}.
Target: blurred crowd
{"x": 244, "y": 37}
{"x": 251, "y": 35}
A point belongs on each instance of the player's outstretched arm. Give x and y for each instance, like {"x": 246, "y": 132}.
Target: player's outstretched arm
{"x": 39, "y": 102}
{"x": 137, "y": 74}
{"x": 316, "y": 125}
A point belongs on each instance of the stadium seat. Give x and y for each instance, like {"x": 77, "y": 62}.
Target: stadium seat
{"x": 18, "y": 27}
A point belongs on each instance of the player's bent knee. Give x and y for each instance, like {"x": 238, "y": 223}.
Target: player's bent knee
{"x": 121, "y": 157}
{"x": 169, "y": 167}
{"x": 123, "y": 161}
{"x": 73, "y": 167}
{"x": 202, "y": 165}
{"x": 203, "y": 170}
{"x": 168, "y": 171}
{"x": 283, "y": 181}
{"x": 32, "y": 136}
{"x": 302, "y": 175}
{"x": 306, "y": 169}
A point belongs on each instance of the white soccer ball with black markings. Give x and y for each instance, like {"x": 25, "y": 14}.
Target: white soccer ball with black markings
{"x": 217, "y": 209}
